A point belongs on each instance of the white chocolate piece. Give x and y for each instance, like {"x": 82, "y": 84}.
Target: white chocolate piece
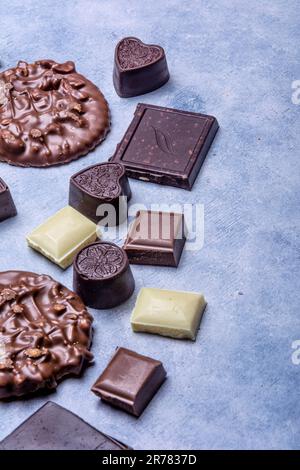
{"x": 168, "y": 313}
{"x": 61, "y": 236}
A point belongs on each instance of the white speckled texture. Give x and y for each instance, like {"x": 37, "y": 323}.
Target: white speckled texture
{"x": 236, "y": 386}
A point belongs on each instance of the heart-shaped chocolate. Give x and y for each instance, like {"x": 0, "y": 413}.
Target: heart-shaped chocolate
{"x": 133, "y": 53}
{"x": 99, "y": 184}
{"x": 101, "y": 181}
{"x": 139, "y": 68}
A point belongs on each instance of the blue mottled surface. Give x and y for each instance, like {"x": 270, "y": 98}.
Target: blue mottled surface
{"x": 236, "y": 386}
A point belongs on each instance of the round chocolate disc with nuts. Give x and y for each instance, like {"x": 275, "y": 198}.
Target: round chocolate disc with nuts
{"x": 45, "y": 333}
{"x": 49, "y": 114}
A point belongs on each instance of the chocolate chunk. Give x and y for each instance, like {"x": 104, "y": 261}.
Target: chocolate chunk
{"x": 168, "y": 313}
{"x": 52, "y": 427}
{"x": 7, "y": 205}
{"x": 138, "y": 68}
{"x": 130, "y": 381}
{"x": 39, "y": 344}
{"x": 7, "y": 294}
{"x": 166, "y": 146}
{"x": 101, "y": 185}
{"x": 102, "y": 275}
{"x": 35, "y": 353}
{"x": 6, "y": 364}
{"x": 156, "y": 238}
{"x": 49, "y": 114}
{"x": 61, "y": 236}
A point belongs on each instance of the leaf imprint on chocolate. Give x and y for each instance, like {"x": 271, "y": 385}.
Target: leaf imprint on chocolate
{"x": 162, "y": 141}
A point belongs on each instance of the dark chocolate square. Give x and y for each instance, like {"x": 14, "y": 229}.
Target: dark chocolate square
{"x": 166, "y": 146}
{"x": 130, "y": 381}
{"x": 52, "y": 427}
{"x": 156, "y": 238}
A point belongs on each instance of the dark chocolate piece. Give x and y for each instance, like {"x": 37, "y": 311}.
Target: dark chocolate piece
{"x": 52, "y": 427}
{"x": 49, "y": 114}
{"x": 130, "y": 381}
{"x": 102, "y": 275}
{"x": 45, "y": 333}
{"x": 7, "y": 205}
{"x": 139, "y": 68}
{"x": 156, "y": 238}
{"x": 166, "y": 146}
{"x": 103, "y": 184}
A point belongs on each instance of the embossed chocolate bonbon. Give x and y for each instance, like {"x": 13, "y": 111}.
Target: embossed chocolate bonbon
{"x": 49, "y": 114}
{"x": 100, "y": 185}
{"x": 139, "y": 68}
{"x": 102, "y": 275}
{"x": 45, "y": 333}
{"x": 165, "y": 145}
{"x": 7, "y": 205}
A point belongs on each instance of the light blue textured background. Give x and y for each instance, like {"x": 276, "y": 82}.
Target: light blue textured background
{"x": 236, "y": 387}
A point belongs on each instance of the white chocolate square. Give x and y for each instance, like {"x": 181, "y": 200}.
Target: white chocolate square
{"x": 169, "y": 313}
{"x": 61, "y": 236}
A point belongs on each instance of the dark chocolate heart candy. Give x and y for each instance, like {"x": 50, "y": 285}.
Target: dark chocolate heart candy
{"x": 101, "y": 180}
{"x": 139, "y": 68}
{"x": 100, "y": 184}
{"x": 133, "y": 53}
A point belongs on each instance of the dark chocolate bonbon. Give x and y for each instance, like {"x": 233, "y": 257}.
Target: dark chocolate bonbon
{"x": 101, "y": 187}
{"x": 139, "y": 68}
{"x": 102, "y": 275}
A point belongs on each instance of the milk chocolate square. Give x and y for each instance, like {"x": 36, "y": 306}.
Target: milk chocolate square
{"x": 166, "y": 146}
{"x": 52, "y": 427}
{"x": 130, "y": 381}
{"x": 156, "y": 238}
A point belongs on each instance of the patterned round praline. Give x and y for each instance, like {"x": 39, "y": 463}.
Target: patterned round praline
{"x": 102, "y": 276}
{"x": 101, "y": 261}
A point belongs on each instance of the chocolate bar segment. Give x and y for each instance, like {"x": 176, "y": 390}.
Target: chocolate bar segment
{"x": 102, "y": 275}
{"x": 156, "y": 238}
{"x": 166, "y": 146}
{"x": 7, "y": 205}
{"x": 61, "y": 236}
{"x": 100, "y": 188}
{"x": 52, "y": 427}
{"x": 130, "y": 381}
{"x": 168, "y": 313}
{"x": 138, "y": 68}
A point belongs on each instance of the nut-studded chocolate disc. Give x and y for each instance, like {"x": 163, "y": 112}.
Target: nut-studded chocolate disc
{"x": 49, "y": 114}
{"x": 45, "y": 333}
